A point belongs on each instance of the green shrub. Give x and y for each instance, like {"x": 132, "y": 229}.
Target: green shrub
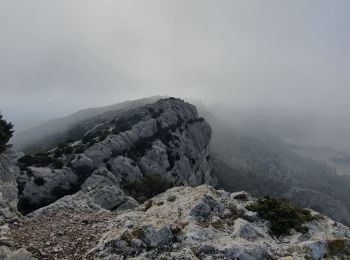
{"x": 39, "y": 181}
{"x": 58, "y": 153}
{"x": 68, "y": 150}
{"x": 86, "y": 139}
{"x": 150, "y": 186}
{"x": 282, "y": 214}
{"x": 39, "y": 160}
{"x": 57, "y": 164}
{"x": 140, "y": 148}
{"x": 155, "y": 114}
{"x": 125, "y": 124}
{"x": 79, "y": 148}
{"x": 6, "y": 133}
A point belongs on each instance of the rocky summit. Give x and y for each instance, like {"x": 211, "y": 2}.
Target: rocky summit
{"x": 138, "y": 184}
{"x": 181, "y": 223}
{"x": 204, "y": 223}
{"x": 165, "y": 139}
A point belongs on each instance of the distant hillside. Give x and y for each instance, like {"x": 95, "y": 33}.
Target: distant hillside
{"x": 242, "y": 158}
{"x": 50, "y": 134}
{"x": 267, "y": 165}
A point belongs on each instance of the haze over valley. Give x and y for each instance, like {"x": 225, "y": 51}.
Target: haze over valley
{"x": 194, "y": 129}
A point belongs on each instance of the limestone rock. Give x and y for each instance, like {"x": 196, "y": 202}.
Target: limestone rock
{"x": 9, "y": 171}
{"x": 82, "y": 163}
{"x": 125, "y": 169}
{"x": 166, "y": 138}
{"x": 92, "y": 198}
{"x": 20, "y": 254}
{"x": 41, "y": 186}
{"x": 205, "y": 223}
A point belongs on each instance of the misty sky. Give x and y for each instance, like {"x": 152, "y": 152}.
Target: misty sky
{"x": 60, "y": 56}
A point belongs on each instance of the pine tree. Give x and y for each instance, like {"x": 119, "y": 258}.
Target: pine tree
{"x": 6, "y": 132}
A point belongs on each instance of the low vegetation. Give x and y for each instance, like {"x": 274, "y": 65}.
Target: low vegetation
{"x": 125, "y": 124}
{"x": 6, "y": 133}
{"x": 39, "y": 160}
{"x": 282, "y": 214}
{"x": 150, "y": 186}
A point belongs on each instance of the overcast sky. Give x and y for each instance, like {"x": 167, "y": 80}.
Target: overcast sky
{"x": 60, "y": 56}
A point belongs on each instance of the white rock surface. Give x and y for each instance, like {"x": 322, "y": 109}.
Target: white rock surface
{"x": 203, "y": 223}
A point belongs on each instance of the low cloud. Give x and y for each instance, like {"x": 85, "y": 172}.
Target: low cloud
{"x": 291, "y": 55}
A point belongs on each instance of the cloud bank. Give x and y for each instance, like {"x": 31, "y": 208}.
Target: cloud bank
{"x": 60, "y": 56}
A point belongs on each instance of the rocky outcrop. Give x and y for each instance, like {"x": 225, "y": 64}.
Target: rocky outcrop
{"x": 19, "y": 254}
{"x": 204, "y": 223}
{"x": 181, "y": 223}
{"x": 101, "y": 196}
{"x": 9, "y": 171}
{"x": 165, "y": 139}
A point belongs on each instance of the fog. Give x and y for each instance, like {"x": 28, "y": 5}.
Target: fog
{"x": 285, "y": 58}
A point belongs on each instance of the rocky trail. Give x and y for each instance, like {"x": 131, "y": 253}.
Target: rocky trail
{"x": 62, "y": 234}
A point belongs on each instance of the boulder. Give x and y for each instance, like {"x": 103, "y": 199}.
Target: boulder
{"x": 82, "y": 163}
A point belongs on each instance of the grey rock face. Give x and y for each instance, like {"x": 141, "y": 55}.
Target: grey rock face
{"x": 93, "y": 198}
{"x": 8, "y": 173}
{"x": 101, "y": 176}
{"x": 205, "y": 207}
{"x": 107, "y": 197}
{"x": 165, "y": 138}
{"x": 82, "y": 163}
{"x": 204, "y": 223}
{"x": 20, "y": 254}
{"x": 125, "y": 169}
{"x": 8, "y": 186}
{"x": 154, "y": 238}
{"x": 38, "y": 186}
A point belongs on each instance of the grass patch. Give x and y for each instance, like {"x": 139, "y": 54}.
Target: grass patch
{"x": 282, "y": 214}
{"x": 337, "y": 246}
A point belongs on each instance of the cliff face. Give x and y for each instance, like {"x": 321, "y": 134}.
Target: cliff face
{"x": 9, "y": 171}
{"x": 165, "y": 139}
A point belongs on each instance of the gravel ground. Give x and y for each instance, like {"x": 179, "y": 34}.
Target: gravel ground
{"x": 62, "y": 234}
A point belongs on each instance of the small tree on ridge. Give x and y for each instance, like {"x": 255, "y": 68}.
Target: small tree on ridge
{"x": 6, "y": 132}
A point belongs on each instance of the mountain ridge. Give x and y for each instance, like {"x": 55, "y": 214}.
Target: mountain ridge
{"x": 252, "y": 161}
{"x": 107, "y": 193}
